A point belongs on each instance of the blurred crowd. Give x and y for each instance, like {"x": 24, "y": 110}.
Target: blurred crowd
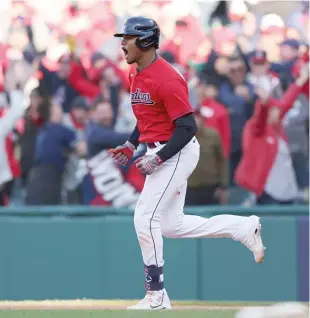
{"x": 64, "y": 100}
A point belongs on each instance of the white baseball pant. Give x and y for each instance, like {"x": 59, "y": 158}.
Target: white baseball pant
{"x": 159, "y": 210}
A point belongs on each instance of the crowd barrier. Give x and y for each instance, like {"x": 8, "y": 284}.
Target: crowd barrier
{"x": 69, "y": 252}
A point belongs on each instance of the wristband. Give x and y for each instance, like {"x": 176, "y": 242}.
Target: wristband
{"x": 129, "y": 145}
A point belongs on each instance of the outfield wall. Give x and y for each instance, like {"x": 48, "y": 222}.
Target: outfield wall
{"x": 82, "y": 252}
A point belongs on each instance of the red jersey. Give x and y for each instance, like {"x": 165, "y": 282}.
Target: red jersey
{"x": 159, "y": 95}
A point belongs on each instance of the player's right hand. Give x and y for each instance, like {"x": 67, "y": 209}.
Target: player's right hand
{"x": 122, "y": 154}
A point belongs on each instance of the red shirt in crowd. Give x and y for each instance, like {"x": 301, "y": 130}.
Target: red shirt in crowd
{"x": 79, "y": 81}
{"x": 88, "y": 85}
{"x": 260, "y": 143}
{"x": 159, "y": 95}
{"x": 215, "y": 116}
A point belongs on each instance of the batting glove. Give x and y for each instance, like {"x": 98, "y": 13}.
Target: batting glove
{"x": 122, "y": 154}
{"x": 148, "y": 164}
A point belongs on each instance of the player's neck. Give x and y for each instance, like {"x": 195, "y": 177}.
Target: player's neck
{"x": 146, "y": 60}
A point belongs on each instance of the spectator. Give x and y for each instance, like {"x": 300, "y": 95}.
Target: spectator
{"x": 69, "y": 51}
{"x": 294, "y": 127}
{"x": 57, "y": 83}
{"x": 110, "y": 89}
{"x": 214, "y": 114}
{"x": 261, "y": 76}
{"x": 208, "y": 183}
{"x": 215, "y": 67}
{"x": 289, "y": 50}
{"x": 100, "y": 133}
{"x": 78, "y": 116}
{"x": 237, "y": 94}
{"x": 54, "y": 143}
{"x": 27, "y": 140}
{"x": 86, "y": 83}
{"x": 288, "y": 57}
{"x": 76, "y": 120}
{"x": 107, "y": 182}
{"x": 81, "y": 83}
{"x": 271, "y": 178}
{"x": 18, "y": 71}
{"x": 9, "y": 166}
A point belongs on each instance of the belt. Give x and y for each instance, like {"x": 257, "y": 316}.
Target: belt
{"x": 153, "y": 145}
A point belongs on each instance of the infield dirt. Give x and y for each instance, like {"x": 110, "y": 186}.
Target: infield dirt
{"x": 84, "y": 304}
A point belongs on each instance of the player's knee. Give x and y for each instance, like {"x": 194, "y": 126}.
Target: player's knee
{"x": 139, "y": 222}
{"x": 142, "y": 223}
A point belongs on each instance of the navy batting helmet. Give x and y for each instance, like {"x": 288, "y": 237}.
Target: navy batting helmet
{"x": 146, "y": 30}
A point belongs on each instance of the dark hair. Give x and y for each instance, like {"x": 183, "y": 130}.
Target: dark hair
{"x": 99, "y": 100}
{"x": 167, "y": 56}
{"x": 207, "y": 79}
{"x": 181, "y": 23}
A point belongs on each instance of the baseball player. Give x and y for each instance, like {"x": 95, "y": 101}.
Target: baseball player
{"x": 165, "y": 122}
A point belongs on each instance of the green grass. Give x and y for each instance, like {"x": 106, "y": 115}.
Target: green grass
{"x": 87, "y": 308}
{"x": 116, "y": 314}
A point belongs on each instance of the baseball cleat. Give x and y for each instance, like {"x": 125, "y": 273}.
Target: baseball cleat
{"x": 253, "y": 240}
{"x": 154, "y": 300}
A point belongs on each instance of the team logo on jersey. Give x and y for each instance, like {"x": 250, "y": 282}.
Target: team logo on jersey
{"x": 138, "y": 97}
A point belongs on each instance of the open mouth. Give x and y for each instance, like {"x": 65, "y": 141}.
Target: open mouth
{"x": 125, "y": 52}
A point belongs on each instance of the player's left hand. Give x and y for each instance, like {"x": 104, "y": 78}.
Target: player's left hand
{"x": 148, "y": 164}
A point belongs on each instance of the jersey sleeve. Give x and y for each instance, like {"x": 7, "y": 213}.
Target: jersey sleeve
{"x": 174, "y": 95}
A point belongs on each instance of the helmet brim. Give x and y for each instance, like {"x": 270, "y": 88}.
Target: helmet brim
{"x": 130, "y": 33}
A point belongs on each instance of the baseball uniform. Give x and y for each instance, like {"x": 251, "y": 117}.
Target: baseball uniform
{"x": 160, "y": 102}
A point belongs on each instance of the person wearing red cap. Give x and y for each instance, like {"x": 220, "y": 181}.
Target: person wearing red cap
{"x": 261, "y": 75}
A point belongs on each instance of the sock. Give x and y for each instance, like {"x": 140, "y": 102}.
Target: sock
{"x": 154, "y": 278}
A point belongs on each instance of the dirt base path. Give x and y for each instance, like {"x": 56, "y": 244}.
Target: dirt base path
{"x": 97, "y": 305}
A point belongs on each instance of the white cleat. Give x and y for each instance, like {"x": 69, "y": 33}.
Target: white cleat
{"x": 253, "y": 240}
{"x": 154, "y": 300}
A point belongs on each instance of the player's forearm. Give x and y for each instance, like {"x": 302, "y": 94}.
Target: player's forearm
{"x": 134, "y": 137}
{"x": 185, "y": 130}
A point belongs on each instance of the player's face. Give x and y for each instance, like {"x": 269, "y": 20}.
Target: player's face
{"x": 132, "y": 53}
